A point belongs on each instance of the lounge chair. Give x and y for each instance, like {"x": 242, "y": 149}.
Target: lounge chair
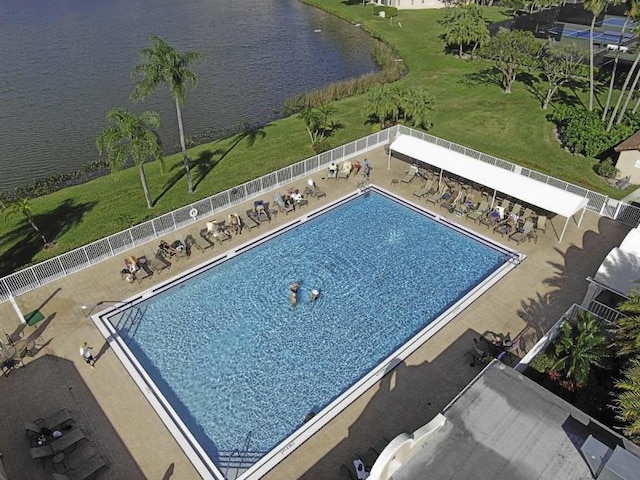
{"x": 506, "y": 205}
{"x": 158, "y": 262}
{"x": 450, "y": 202}
{"x": 313, "y": 190}
{"x": 425, "y": 190}
{"x": 252, "y": 220}
{"x": 332, "y": 171}
{"x": 261, "y": 211}
{"x": 218, "y": 231}
{"x": 524, "y": 233}
{"x": 345, "y": 171}
{"x": 42, "y": 453}
{"x": 476, "y": 214}
{"x": 527, "y": 213}
{"x": 541, "y": 223}
{"x": 197, "y": 242}
{"x": 88, "y": 468}
{"x": 436, "y": 196}
{"x": 284, "y": 208}
{"x": 491, "y": 219}
{"x": 175, "y": 250}
{"x": 517, "y": 208}
{"x": 59, "y": 419}
{"x": 508, "y": 226}
{"x": 410, "y": 175}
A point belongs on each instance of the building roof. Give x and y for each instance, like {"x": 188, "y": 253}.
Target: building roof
{"x": 619, "y": 271}
{"x": 504, "y": 425}
{"x": 631, "y": 143}
{"x": 531, "y": 191}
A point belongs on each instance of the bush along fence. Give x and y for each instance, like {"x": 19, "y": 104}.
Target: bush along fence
{"x": 50, "y": 270}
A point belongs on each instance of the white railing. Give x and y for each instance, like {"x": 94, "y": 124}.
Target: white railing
{"x": 605, "y": 312}
{"x": 83, "y": 257}
{"x": 46, "y": 272}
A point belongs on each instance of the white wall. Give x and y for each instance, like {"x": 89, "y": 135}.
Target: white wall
{"x": 629, "y": 165}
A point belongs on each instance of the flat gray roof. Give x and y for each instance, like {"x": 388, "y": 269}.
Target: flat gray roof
{"x": 504, "y": 425}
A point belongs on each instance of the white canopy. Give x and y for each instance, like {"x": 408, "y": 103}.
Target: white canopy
{"x": 620, "y": 271}
{"x": 631, "y": 242}
{"x": 517, "y": 186}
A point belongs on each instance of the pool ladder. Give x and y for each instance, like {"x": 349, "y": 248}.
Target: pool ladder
{"x": 239, "y": 460}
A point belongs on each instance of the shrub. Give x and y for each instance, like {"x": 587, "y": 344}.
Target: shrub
{"x": 583, "y": 132}
{"x": 543, "y": 362}
{"x": 607, "y": 169}
{"x": 388, "y": 11}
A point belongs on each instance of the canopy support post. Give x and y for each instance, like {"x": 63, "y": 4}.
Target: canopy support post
{"x": 582, "y": 216}
{"x": 493, "y": 199}
{"x": 564, "y": 229}
{"x": 389, "y": 159}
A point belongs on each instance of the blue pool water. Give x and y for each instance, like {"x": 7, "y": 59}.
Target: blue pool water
{"x": 237, "y": 362}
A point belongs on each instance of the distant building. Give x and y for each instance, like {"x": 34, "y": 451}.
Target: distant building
{"x": 504, "y": 425}
{"x": 629, "y": 158}
{"x": 410, "y": 4}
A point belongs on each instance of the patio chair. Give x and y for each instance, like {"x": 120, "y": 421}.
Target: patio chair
{"x": 345, "y": 171}
{"x": 261, "y": 211}
{"x": 42, "y": 453}
{"x": 313, "y": 190}
{"x": 158, "y": 262}
{"x": 332, "y": 170}
{"x": 191, "y": 242}
{"x": 425, "y": 190}
{"x": 505, "y": 204}
{"x": 175, "y": 250}
{"x": 218, "y": 231}
{"x": 541, "y": 223}
{"x": 281, "y": 204}
{"x": 410, "y": 175}
{"x": 57, "y": 420}
{"x": 86, "y": 469}
{"x": 528, "y": 213}
{"x": 523, "y": 233}
{"x": 450, "y": 202}
{"x": 517, "y": 208}
{"x": 491, "y": 219}
{"x": 251, "y": 219}
{"x": 68, "y": 441}
{"x": 436, "y": 196}
{"x": 476, "y": 214}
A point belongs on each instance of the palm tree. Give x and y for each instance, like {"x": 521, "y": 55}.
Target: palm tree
{"x": 627, "y": 401}
{"x": 23, "y": 206}
{"x": 161, "y": 64}
{"x": 627, "y": 329}
{"x": 595, "y": 7}
{"x": 579, "y": 348}
{"x": 417, "y": 108}
{"x": 633, "y": 9}
{"x": 131, "y": 137}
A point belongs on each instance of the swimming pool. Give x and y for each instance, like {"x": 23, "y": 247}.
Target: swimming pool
{"x": 243, "y": 369}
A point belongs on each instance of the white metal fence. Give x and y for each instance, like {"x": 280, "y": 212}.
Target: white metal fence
{"x": 83, "y": 257}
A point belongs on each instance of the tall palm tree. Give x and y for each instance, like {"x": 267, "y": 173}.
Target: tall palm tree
{"x": 131, "y": 137}
{"x": 578, "y": 348}
{"x": 23, "y": 206}
{"x": 633, "y": 9}
{"x": 627, "y": 401}
{"x": 595, "y": 7}
{"x": 161, "y": 64}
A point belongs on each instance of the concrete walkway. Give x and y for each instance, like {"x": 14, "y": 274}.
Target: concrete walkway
{"x": 125, "y": 430}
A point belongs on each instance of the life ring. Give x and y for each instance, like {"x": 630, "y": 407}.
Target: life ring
{"x": 193, "y": 213}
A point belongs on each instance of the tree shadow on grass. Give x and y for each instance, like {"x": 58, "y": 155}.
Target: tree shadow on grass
{"x": 206, "y": 161}
{"x": 532, "y": 84}
{"x": 52, "y": 224}
{"x": 486, "y": 76}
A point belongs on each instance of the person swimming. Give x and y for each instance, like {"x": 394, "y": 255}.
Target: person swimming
{"x": 315, "y": 294}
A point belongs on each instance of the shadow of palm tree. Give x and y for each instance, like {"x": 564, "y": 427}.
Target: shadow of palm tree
{"x": 52, "y": 224}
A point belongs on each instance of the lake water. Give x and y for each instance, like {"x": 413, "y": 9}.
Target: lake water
{"x": 66, "y": 63}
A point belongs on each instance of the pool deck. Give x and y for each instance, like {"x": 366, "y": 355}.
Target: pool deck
{"x": 123, "y": 428}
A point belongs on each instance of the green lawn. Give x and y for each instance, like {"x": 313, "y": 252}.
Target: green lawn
{"x": 470, "y": 112}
